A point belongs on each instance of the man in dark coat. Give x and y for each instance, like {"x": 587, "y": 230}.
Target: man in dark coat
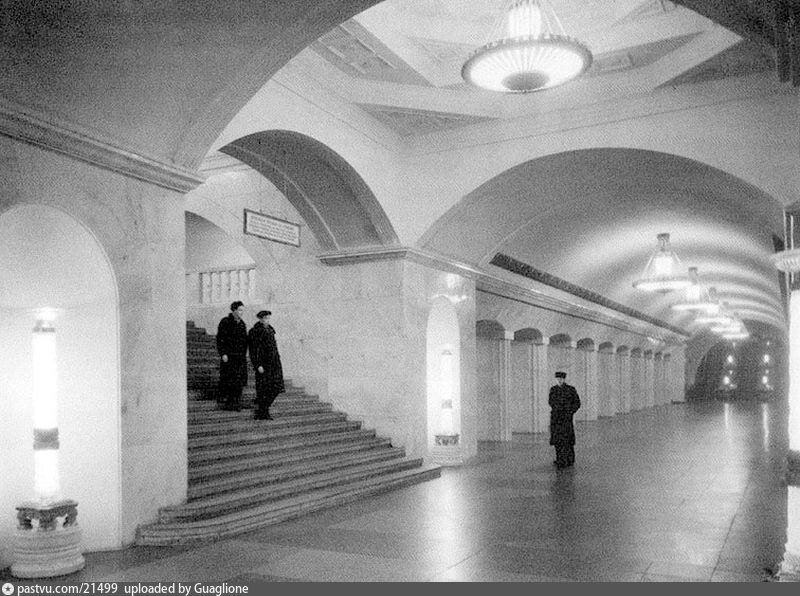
{"x": 232, "y": 349}
{"x": 267, "y": 364}
{"x": 564, "y": 402}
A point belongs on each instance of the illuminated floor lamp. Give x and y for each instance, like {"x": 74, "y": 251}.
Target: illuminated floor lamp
{"x": 789, "y": 261}
{"x": 447, "y": 449}
{"x": 47, "y": 541}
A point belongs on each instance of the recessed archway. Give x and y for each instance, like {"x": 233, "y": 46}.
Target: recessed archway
{"x": 51, "y": 260}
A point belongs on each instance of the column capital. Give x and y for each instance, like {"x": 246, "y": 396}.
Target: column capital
{"x": 545, "y": 341}
{"x": 508, "y": 335}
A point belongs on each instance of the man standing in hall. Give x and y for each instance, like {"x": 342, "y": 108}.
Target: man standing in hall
{"x": 232, "y": 349}
{"x": 564, "y": 402}
{"x": 267, "y": 364}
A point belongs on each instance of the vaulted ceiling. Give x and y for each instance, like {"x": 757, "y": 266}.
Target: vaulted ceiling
{"x": 159, "y": 81}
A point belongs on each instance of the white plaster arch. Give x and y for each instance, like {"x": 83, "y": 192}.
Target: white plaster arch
{"x": 52, "y": 259}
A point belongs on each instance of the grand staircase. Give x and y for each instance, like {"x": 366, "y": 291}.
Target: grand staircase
{"x": 245, "y": 474}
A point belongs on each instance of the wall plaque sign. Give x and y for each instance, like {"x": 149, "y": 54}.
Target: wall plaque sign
{"x": 271, "y": 228}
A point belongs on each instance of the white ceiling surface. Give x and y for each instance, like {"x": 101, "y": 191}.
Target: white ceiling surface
{"x": 405, "y": 55}
{"x": 400, "y": 63}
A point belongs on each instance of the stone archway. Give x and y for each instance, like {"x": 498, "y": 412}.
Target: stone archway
{"x": 51, "y": 260}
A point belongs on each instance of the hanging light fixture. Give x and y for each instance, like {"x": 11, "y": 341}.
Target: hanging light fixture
{"x": 660, "y": 272}
{"x": 717, "y": 315}
{"x": 734, "y": 326}
{"x": 697, "y": 297}
{"x": 527, "y": 50}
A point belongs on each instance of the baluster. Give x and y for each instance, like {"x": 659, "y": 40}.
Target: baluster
{"x": 234, "y": 287}
{"x": 243, "y": 290}
{"x": 216, "y": 288}
{"x": 251, "y": 283}
{"x": 205, "y": 288}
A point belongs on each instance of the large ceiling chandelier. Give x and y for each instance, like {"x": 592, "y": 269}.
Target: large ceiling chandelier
{"x": 528, "y": 51}
{"x": 661, "y": 272}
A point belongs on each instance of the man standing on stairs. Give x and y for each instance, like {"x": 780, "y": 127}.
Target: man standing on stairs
{"x": 267, "y": 364}
{"x": 232, "y": 348}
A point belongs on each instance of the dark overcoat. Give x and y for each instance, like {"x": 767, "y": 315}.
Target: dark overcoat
{"x": 564, "y": 402}
{"x": 264, "y": 352}
{"x": 232, "y": 341}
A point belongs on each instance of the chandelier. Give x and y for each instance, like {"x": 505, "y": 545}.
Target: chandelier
{"x": 660, "y": 272}
{"x": 716, "y": 315}
{"x": 697, "y": 297}
{"x": 528, "y": 51}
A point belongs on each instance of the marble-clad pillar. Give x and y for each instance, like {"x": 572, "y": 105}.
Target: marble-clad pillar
{"x": 541, "y": 385}
{"x": 624, "y": 393}
{"x": 505, "y": 386}
{"x": 607, "y": 382}
{"x": 590, "y": 397}
{"x": 521, "y": 394}
{"x": 637, "y": 385}
{"x": 649, "y": 380}
{"x": 140, "y": 224}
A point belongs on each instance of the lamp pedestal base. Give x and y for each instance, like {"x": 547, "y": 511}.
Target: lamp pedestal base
{"x": 447, "y": 451}
{"x": 789, "y": 570}
{"x": 47, "y": 542}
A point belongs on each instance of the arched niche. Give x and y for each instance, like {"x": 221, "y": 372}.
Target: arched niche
{"x": 623, "y": 350}
{"x": 648, "y": 354}
{"x": 606, "y": 348}
{"x": 528, "y": 334}
{"x": 489, "y": 329}
{"x": 50, "y": 260}
{"x": 443, "y": 368}
{"x": 636, "y": 353}
{"x": 560, "y": 340}
{"x": 586, "y": 344}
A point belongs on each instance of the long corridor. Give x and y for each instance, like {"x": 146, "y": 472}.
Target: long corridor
{"x": 682, "y": 492}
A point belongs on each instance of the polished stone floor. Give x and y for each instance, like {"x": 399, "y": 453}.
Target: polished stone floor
{"x": 682, "y": 492}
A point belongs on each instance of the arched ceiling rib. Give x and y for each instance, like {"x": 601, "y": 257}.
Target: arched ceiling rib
{"x": 340, "y": 209}
{"x": 591, "y": 218}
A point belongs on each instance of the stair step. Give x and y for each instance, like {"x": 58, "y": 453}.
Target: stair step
{"x": 246, "y": 425}
{"x": 262, "y": 516}
{"x": 230, "y": 502}
{"x": 209, "y": 405}
{"x": 200, "y": 470}
{"x": 225, "y": 453}
{"x": 277, "y": 410}
{"x": 245, "y": 474}
{"x": 268, "y": 434}
{"x": 288, "y": 471}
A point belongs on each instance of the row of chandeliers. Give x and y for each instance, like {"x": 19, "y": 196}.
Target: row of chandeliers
{"x": 662, "y": 274}
{"x": 528, "y": 50}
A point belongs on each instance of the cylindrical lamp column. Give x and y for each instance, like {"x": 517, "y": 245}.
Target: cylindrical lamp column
{"x": 48, "y": 539}
{"x": 789, "y": 261}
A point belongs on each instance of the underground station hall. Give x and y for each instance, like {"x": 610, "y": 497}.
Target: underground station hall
{"x": 399, "y": 291}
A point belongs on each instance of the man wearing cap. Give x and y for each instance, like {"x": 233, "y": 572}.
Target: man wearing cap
{"x": 564, "y": 402}
{"x": 267, "y": 364}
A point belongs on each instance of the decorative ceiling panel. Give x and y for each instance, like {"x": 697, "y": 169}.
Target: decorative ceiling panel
{"x": 646, "y": 10}
{"x": 637, "y": 56}
{"x": 745, "y": 58}
{"x": 407, "y": 122}
{"x": 356, "y": 52}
